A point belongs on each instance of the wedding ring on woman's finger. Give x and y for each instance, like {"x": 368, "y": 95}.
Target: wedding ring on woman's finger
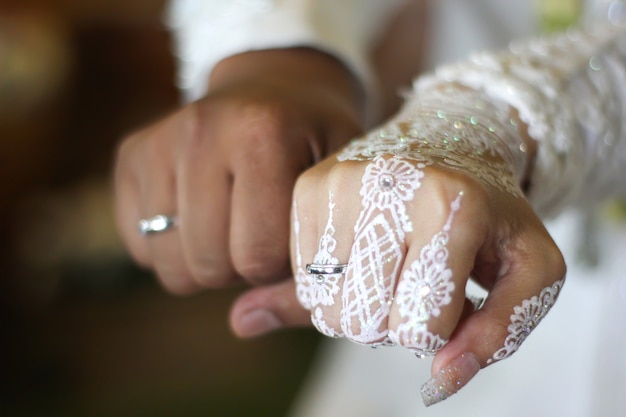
{"x": 323, "y": 269}
{"x": 476, "y": 301}
{"x": 156, "y": 224}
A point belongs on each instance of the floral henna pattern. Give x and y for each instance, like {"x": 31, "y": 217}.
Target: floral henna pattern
{"x": 455, "y": 129}
{"x": 314, "y": 291}
{"x": 376, "y": 256}
{"x": 418, "y": 339}
{"x": 388, "y": 183}
{"x": 525, "y": 318}
{"x": 426, "y": 287}
{"x": 472, "y": 135}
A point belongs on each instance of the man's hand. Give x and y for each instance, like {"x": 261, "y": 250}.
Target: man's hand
{"x": 226, "y": 165}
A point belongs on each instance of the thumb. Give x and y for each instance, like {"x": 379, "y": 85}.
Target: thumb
{"x": 268, "y": 308}
{"x": 515, "y": 306}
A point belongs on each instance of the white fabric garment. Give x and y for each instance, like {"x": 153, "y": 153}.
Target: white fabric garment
{"x": 574, "y": 364}
{"x": 208, "y": 31}
{"x": 568, "y": 90}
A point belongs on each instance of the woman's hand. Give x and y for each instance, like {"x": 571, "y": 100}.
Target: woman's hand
{"x": 409, "y": 214}
{"x": 225, "y": 167}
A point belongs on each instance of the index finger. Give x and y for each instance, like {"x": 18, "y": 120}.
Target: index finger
{"x": 518, "y": 302}
{"x": 272, "y": 154}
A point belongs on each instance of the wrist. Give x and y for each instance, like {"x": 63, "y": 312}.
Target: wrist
{"x": 504, "y": 135}
{"x": 456, "y": 128}
{"x": 300, "y": 69}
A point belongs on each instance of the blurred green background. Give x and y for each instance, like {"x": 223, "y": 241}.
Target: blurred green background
{"x": 83, "y": 332}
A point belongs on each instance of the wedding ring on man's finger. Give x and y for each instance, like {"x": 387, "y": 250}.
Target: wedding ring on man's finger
{"x": 322, "y": 269}
{"x": 156, "y": 224}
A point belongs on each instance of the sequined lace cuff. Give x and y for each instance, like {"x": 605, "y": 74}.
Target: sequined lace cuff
{"x": 568, "y": 89}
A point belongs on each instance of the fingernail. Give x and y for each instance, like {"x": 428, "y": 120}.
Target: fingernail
{"x": 450, "y": 379}
{"x": 258, "y": 322}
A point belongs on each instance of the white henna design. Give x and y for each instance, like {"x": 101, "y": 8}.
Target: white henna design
{"x": 454, "y": 129}
{"x": 388, "y": 183}
{"x": 427, "y": 285}
{"x": 317, "y": 318}
{"x": 418, "y": 339}
{"x": 315, "y": 290}
{"x": 473, "y": 136}
{"x": 377, "y": 252}
{"x": 525, "y": 318}
{"x": 425, "y": 288}
{"x": 368, "y": 287}
{"x": 324, "y": 288}
{"x": 303, "y": 291}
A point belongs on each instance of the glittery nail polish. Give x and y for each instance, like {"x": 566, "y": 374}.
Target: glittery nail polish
{"x": 450, "y": 379}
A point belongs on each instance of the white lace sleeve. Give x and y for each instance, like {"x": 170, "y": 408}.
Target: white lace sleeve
{"x": 570, "y": 89}
{"x": 207, "y": 31}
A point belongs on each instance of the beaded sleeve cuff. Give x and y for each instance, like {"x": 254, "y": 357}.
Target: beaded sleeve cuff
{"x": 455, "y": 127}
{"x": 569, "y": 91}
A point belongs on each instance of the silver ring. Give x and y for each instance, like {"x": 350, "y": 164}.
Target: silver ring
{"x": 319, "y": 269}
{"x": 156, "y": 224}
{"x": 477, "y": 302}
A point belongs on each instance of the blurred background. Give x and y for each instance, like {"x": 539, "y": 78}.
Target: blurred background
{"x": 83, "y": 332}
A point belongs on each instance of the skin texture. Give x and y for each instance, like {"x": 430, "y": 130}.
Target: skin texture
{"x": 226, "y": 166}
{"x": 414, "y": 214}
{"x": 494, "y": 237}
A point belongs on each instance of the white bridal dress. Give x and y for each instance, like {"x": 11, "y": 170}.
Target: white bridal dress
{"x": 574, "y": 363}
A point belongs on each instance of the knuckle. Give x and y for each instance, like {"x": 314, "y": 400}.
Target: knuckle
{"x": 304, "y": 188}
{"x": 261, "y": 264}
{"x": 495, "y": 330}
{"x": 211, "y": 272}
{"x": 151, "y": 152}
{"x": 422, "y": 338}
{"x": 259, "y": 130}
{"x": 363, "y": 333}
{"x": 556, "y": 262}
{"x": 325, "y": 323}
{"x": 496, "y": 336}
{"x": 139, "y": 253}
{"x": 129, "y": 141}
{"x": 260, "y": 146}
{"x": 196, "y": 124}
{"x": 178, "y": 286}
{"x": 262, "y": 126}
{"x": 125, "y": 151}
{"x": 173, "y": 280}
{"x": 547, "y": 257}
{"x": 345, "y": 177}
{"x": 124, "y": 147}
{"x": 354, "y": 334}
